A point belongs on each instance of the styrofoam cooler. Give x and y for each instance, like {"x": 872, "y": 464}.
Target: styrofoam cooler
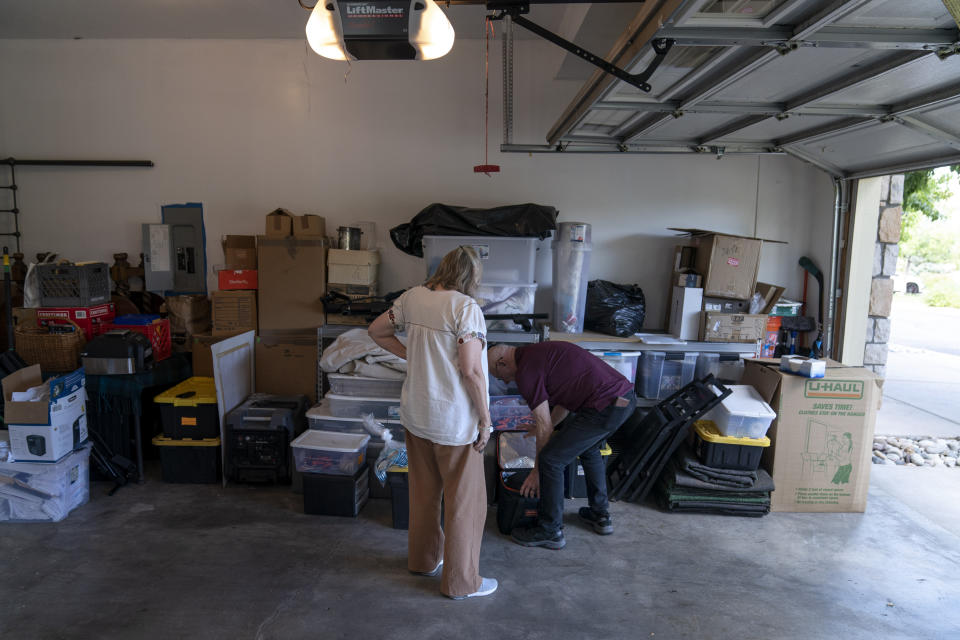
{"x": 360, "y": 386}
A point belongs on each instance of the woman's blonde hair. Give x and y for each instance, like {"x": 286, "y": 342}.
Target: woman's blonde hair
{"x": 459, "y": 270}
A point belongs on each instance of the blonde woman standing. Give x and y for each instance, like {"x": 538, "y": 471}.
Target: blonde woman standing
{"x": 445, "y": 410}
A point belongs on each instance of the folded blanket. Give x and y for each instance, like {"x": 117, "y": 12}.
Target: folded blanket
{"x": 712, "y": 475}
{"x": 351, "y": 345}
{"x": 682, "y": 478}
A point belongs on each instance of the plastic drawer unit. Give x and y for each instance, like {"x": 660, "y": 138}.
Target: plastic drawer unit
{"x": 726, "y": 452}
{"x": 742, "y": 414}
{"x": 330, "y": 453}
{"x": 189, "y": 410}
{"x": 357, "y": 406}
{"x": 505, "y": 260}
{"x": 360, "y": 386}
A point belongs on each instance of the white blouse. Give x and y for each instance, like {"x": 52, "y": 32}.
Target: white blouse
{"x": 434, "y": 403}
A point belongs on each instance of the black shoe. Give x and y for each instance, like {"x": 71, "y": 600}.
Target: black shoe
{"x": 538, "y": 537}
{"x": 600, "y": 522}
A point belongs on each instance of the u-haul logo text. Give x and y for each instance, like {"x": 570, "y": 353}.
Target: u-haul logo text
{"x": 847, "y": 389}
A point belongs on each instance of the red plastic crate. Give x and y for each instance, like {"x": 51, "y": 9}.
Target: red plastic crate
{"x": 158, "y": 332}
{"x": 93, "y": 320}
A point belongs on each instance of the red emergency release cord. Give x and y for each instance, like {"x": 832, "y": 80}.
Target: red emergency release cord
{"x": 486, "y": 168}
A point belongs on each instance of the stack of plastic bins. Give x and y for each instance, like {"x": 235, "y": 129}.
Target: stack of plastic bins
{"x": 357, "y": 406}
{"x": 661, "y": 374}
{"x": 335, "y": 478}
{"x": 743, "y": 414}
{"x": 190, "y": 442}
{"x": 360, "y": 386}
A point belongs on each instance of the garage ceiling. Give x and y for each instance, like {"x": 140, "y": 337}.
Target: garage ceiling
{"x": 855, "y": 87}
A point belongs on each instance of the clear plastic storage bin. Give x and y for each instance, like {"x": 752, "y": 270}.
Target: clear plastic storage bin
{"x": 623, "y": 361}
{"x": 707, "y": 364}
{"x": 503, "y": 299}
{"x": 329, "y": 452}
{"x": 506, "y": 260}
{"x": 742, "y": 414}
{"x": 357, "y": 406}
{"x": 320, "y": 418}
{"x": 660, "y": 376}
{"x": 359, "y": 386}
{"x": 509, "y": 413}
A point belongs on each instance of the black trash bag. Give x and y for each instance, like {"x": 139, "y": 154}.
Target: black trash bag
{"x": 447, "y": 220}
{"x": 614, "y": 309}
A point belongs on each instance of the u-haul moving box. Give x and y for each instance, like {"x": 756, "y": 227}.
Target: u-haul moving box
{"x": 821, "y": 439}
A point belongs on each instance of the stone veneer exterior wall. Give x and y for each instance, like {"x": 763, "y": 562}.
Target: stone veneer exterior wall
{"x": 884, "y": 268}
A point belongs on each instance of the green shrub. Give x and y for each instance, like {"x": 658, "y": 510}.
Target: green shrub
{"x": 941, "y": 291}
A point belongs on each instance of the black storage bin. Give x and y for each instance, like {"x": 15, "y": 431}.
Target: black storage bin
{"x": 513, "y": 510}
{"x": 399, "y": 498}
{"x": 189, "y": 410}
{"x": 189, "y": 461}
{"x": 726, "y": 452}
{"x": 335, "y": 495}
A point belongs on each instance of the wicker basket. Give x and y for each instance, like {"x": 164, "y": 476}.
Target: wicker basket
{"x": 54, "y": 352}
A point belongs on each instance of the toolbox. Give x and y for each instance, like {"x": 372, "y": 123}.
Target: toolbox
{"x": 93, "y": 320}
{"x": 189, "y": 410}
{"x": 336, "y": 495}
{"x": 726, "y": 452}
{"x": 189, "y": 461}
{"x": 257, "y": 437}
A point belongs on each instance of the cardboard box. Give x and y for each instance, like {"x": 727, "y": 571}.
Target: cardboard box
{"x": 728, "y": 263}
{"x": 279, "y": 223}
{"x": 293, "y": 282}
{"x": 309, "y": 226}
{"x": 733, "y": 327}
{"x": 45, "y": 431}
{"x": 234, "y": 312}
{"x": 352, "y": 267}
{"x": 237, "y": 280}
{"x": 201, "y": 354}
{"x": 770, "y": 294}
{"x": 726, "y": 305}
{"x": 821, "y": 439}
{"x": 685, "y": 313}
{"x": 240, "y": 252}
{"x": 286, "y": 363}
{"x": 188, "y": 314}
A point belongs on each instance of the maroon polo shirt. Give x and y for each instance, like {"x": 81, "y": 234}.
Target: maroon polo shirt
{"x": 568, "y": 376}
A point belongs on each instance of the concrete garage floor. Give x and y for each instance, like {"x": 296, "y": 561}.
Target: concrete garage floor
{"x": 169, "y": 561}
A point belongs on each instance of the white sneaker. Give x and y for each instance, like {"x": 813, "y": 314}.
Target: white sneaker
{"x": 430, "y": 574}
{"x": 487, "y": 586}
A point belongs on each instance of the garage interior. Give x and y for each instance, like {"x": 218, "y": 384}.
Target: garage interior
{"x": 785, "y": 120}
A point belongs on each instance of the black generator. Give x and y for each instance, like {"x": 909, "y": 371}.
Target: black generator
{"x": 257, "y": 437}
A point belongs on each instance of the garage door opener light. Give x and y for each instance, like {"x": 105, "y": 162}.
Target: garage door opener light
{"x": 379, "y": 30}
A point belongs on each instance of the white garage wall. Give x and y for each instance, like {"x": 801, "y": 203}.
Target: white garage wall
{"x": 247, "y": 126}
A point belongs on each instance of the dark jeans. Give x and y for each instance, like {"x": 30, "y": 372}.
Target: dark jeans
{"x": 581, "y": 435}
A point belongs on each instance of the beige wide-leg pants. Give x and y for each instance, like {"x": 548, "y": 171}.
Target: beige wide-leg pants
{"x": 454, "y": 474}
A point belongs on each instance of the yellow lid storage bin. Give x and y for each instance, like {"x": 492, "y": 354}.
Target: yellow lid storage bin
{"x": 189, "y": 461}
{"x": 726, "y": 452}
{"x": 189, "y": 410}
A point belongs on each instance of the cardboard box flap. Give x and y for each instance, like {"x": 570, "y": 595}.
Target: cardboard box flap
{"x": 770, "y": 293}
{"x": 279, "y": 220}
{"x": 699, "y": 233}
{"x": 309, "y": 225}
{"x": 36, "y": 412}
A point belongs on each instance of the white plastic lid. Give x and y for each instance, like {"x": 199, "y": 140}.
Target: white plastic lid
{"x": 331, "y": 441}
{"x": 744, "y": 400}
{"x": 335, "y": 396}
{"x": 323, "y": 412}
{"x": 347, "y": 376}
{"x": 615, "y": 354}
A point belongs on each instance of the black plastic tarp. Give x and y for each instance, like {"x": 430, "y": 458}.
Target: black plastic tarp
{"x": 448, "y": 220}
